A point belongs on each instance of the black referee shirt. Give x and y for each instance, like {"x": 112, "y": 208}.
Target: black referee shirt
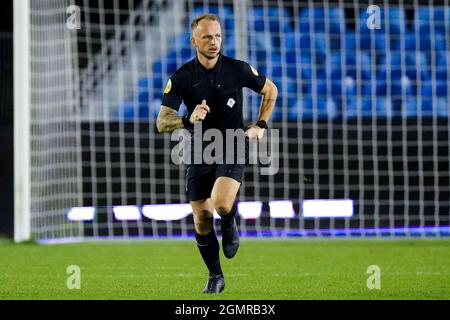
{"x": 220, "y": 86}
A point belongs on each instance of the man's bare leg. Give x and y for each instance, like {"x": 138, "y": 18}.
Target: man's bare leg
{"x": 223, "y": 197}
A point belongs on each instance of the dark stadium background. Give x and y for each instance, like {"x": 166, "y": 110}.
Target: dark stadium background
{"x": 371, "y": 180}
{"x": 6, "y": 145}
{"x": 6, "y": 120}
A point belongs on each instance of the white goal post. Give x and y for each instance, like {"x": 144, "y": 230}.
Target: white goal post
{"x": 22, "y": 208}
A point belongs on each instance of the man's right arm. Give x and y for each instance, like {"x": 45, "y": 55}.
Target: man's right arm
{"x": 168, "y": 120}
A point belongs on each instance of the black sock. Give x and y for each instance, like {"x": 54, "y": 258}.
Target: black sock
{"x": 228, "y": 218}
{"x": 209, "y": 249}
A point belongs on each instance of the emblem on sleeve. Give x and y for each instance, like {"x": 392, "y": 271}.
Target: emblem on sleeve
{"x": 255, "y": 72}
{"x": 231, "y": 102}
{"x": 168, "y": 86}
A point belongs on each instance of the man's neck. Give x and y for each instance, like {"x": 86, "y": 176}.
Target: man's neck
{"x": 207, "y": 63}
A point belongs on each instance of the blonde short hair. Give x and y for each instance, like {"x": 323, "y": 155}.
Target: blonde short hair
{"x": 207, "y": 16}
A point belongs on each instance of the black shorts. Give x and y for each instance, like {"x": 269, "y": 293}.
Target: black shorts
{"x": 200, "y": 178}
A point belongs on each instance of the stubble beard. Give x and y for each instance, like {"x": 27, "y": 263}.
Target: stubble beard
{"x": 209, "y": 56}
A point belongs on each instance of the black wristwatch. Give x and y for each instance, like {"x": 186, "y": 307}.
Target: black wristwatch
{"x": 187, "y": 123}
{"x": 262, "y": 124}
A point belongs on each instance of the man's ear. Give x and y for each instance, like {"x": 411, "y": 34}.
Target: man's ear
{"x": 193, "y": 42}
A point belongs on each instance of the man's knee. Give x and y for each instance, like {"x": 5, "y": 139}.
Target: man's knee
{"x": 203, "y": 221}
{"x": 222, "y": 204}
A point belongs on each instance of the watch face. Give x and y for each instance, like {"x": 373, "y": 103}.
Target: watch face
{"x": 262, "y": 124}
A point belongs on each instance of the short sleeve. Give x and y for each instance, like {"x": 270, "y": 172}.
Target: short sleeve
{"x": 252, "y": 78}
{"x": 173, "y": 92}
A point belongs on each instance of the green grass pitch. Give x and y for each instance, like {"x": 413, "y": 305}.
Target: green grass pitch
{"x": 263, "y": 269}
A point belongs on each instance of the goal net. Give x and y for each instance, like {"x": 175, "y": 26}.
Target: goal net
{"x": 362, "y": 117}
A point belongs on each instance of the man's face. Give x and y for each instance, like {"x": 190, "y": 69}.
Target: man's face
{"x": 207, "y": 38}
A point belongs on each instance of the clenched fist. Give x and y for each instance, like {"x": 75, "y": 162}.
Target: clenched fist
{"x": 254, "y": 132}
{"x": 199, "y": 112}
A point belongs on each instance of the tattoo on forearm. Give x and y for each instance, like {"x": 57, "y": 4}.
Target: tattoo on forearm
{"x": 168, "y": 122}
{"x": 171, "y": 124}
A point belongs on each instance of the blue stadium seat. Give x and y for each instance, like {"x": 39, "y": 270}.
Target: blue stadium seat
{"x": 369, "y": 40}
{"x": 149, "y": 97}
{"x": 269, "y": 65}
{"x": 368, "y": 107}
{"x": 431, "y": 19}
{"x": 291, "y": 41}
{"x": 261, "y": 58}
{"x": 435, "y": 104}
{"x": 316, "y": 46}
{"x": 180, "y": 46}
{"x": 355, "y": 101}
{"x": 408, "y": 82}
{"x": 268, "y": 26}
{"x": 229, "y": 52}
{"x": 335, "y": 41}
{"x": 409, "y": 107}
{"x": 425, "y": 89}
{"x": 356, "y": 65}
{"x": 305, "y": 67}
{"x": 320, "y": 20}
{"x": 287, "y": 95}
{"x": 329, "y": 23}
{"x": 279, "y": 20}
{"x": 417, "y": 66}
{"x": 125, "y": 111}
{"x": 157, "y": 85}
{"x": 425, "y": 42}
{"x": 442, "y": 64}
{"x": 320, "y": 42}
{"x": 403, "y": 71}
{"x": 442, "y": 107}
{"x": 442, "y": 88}
{"x": 395, "y": 19}
{"x": 348, "y": 107}
{"x": 260, "y": 40}
{"x": 320, "y": 87}
{"x": 138, "y": 108}
{"x": 312, "y": 107}
{"x": 180, "y": 40}
{"x": 164, "y": 66}
{"x": 154, "y": 85}
{"x": 228, "y": 44}
{"x": 393, "y": 22}
{"x": 302, "y": 110}
{"x": 276, "y": 40}
{"x": 289, "y": 60}
{"x": 275, "y": 65}
{"x": 384, "y": 108}
{"x": 250, "y": 107}
{"x": 345, "y": 95}
{"x": 229, "y": 38}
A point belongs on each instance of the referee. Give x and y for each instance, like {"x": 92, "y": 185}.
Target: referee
{"x": 211, "y": 88}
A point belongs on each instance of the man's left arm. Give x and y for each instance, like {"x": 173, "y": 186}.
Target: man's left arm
{"x": 269, "y": 93}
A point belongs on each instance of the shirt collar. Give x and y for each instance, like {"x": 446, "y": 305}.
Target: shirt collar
{"x": 215, "y": 69}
